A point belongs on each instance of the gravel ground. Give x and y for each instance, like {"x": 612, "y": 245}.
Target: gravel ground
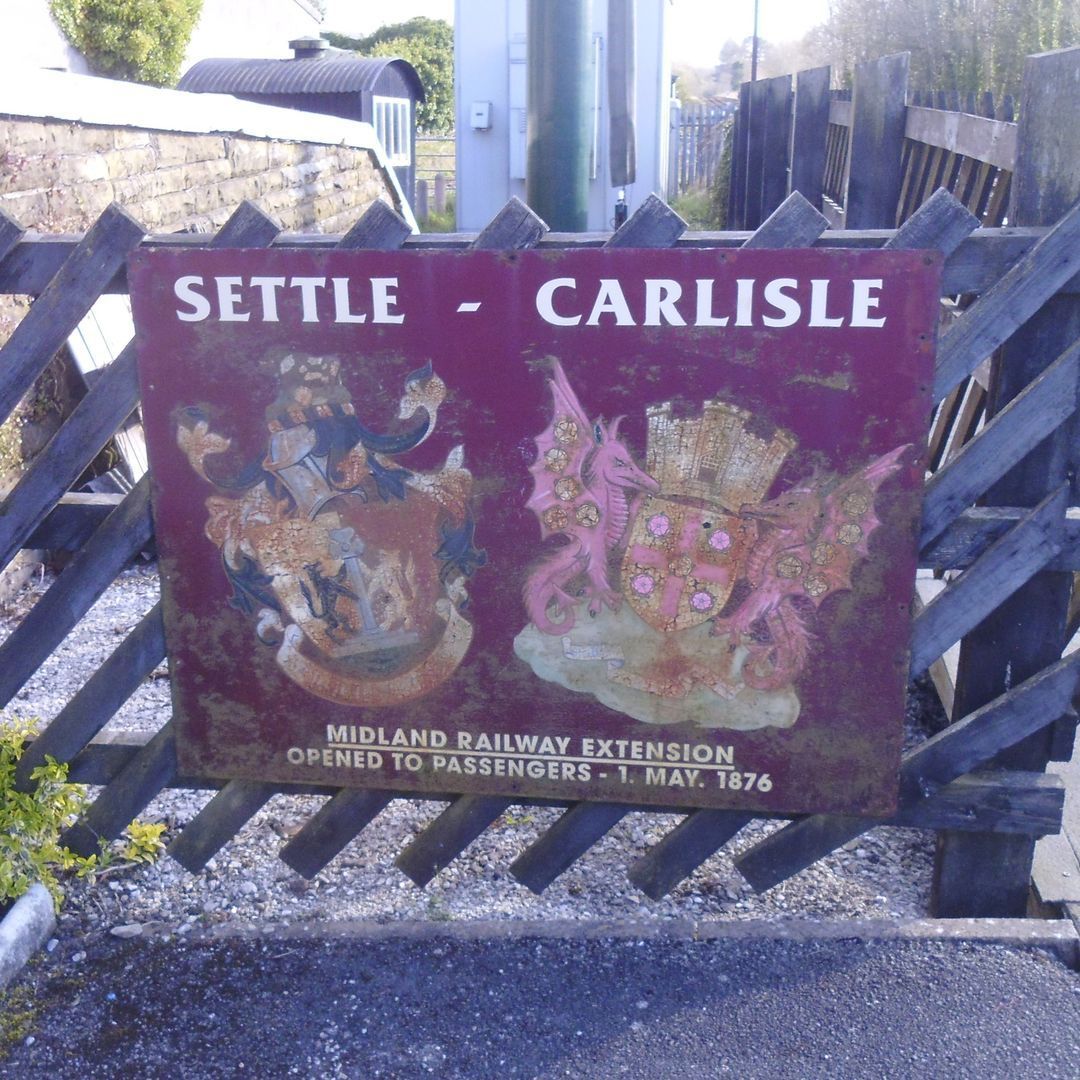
{"x": 884, "y": 873}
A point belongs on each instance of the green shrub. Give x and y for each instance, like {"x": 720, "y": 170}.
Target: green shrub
{"x": 31, "y": 822}
{"x": 139, "y": 40}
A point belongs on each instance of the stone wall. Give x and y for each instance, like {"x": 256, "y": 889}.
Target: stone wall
{"x": 57, "y": 177}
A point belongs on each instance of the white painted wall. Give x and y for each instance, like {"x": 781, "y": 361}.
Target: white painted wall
{"x": 489, "y": 47}
{"x": 30, "y": 39}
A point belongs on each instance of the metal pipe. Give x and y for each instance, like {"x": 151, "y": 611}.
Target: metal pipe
{"x": 559, "y": 112}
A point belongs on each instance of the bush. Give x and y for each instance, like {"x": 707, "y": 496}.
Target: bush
{"x": 140, "y": 40}
{"x": 31, "y": 822}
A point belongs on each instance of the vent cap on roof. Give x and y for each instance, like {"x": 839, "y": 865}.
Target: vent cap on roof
{"x": 309, "y": 48}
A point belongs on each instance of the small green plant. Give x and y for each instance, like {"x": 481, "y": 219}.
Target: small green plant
{"x": 143, "y": 842}
{"x": 31, "y": 821}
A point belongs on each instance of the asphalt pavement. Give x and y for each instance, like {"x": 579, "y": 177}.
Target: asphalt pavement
{"x": 428, "y": 1003}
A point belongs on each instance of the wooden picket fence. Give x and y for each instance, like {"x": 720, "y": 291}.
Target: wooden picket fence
{"x": 995, "y": 523}
{"x": 698, "y": 131}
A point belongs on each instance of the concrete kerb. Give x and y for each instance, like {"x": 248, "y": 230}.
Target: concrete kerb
{"x": 1057, "y": 936}
{"x": 27, "y": 925}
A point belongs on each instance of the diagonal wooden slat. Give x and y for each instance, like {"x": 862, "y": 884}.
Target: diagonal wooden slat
{"x": 221, "y": 817}
{"x": 976, "y": 529}
{"x": 449, "y": 835}
{"x": 10, "y": 234}
{"x": 953, "y": 752}
{"x": 73, "y": 520}
{"x": 696, "y": 838}
{"x": 99, "y": 698}
{"x": 339, "y": 820}
{"x": 941, "y": 223}
{"x": 90, "y": 426}
{"x": 248, "y": 226}
{"x": 1041, "y": 409}
{"x": 513, "y": 228}
{"x": 1007, "y": 564}
{"x": 1007, "y": 305}
{"x": 379, "y": 229}
{"x": 150, "y": 769}
{"x": 559, "y": 847}
{"x": 121, "y": 536}
{"x": 218, "y": 822}
{"x": 63, "y": 303}
{"x": 794, "y": 223}
{"x": 652, "y": 225}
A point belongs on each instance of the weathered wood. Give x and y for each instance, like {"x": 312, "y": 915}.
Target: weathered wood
{"x": 10, "y": 234}
{"x": 148, "y": 771}
{"x": 976, "y": 265}
{"x": 1047, "y": 177}
{"x": 976, "y": 529}
{"x": 1007, "y": 564}
{"x": 652, "y": 224}
{"x": 338, "y": 821}
{"x": 72, "y": 521}
{"x": 380, "y": 229}
{"x": 809, "y": 133}
{"x": 64, "y": 301}
{"x": 84, "y": 579}
{"x": 514, "y": 227}
{"x": 942, "y": 223}
{"x": 1026, "y": 803}
{"x": 696, "y": 838}
{"x": 795, "y": 223}
{"x": 774, "y": 122}
{"x": 107, "y": 405}
{"x": 218, "y": 822}
{"x": 879, "y": 101}
{"x": 957, "y": 750}
{"x": 1024, "y": 423}
{"x": 1005, "y": 306}
{"x": 1027, "y": 631}
{"x": 991, "y": 141}
{"x": 449, "y": 835}
{"x": 248, "y": 226}
{"x": 740, "y": 148}
{"x": 99, "y": 698}
{"x": 563, "y": 843}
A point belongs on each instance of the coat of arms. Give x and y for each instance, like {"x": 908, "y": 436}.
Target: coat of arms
{"x": 679, "y": 592}
{"x": 351, "y": 565}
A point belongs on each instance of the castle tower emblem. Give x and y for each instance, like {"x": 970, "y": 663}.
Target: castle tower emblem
{"x": 688, "y": 543}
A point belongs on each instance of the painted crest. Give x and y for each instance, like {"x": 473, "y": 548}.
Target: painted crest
{"x": 720, "y": 586}
{"x": 351, "y": 565}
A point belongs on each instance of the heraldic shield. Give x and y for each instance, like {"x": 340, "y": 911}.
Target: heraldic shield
{"x": 351, "y": 565}
{"x": 682, "y": 562}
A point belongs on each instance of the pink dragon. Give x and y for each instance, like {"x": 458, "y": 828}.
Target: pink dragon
{"x": 812, "y": 536}
{"x": 586, "y": 488}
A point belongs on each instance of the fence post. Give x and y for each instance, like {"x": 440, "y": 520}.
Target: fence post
{"x": 736, "y": 218}
{"x": 440, "y": 193}
{"x": 421, "y": 208}
{"x": 767, "y": 149}
{"x": 986, "y": 874}
{"x": 810, "y": 134}
{"x": 674, "y": 142}
{"x": 878, "y": 114}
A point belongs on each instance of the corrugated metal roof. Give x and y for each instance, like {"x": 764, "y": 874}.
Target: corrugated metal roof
{"x": 329, "y": 75}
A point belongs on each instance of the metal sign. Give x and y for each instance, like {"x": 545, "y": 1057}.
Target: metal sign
{"x": 633, "y": 526}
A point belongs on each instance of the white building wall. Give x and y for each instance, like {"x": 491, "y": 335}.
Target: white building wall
{"x": 489, "y": 44}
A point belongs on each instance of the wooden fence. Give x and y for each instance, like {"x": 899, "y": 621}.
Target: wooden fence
{"x": 995, "y": 523}
{"x": 696, "y": 145}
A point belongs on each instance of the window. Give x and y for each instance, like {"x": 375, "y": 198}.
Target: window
{"x": 393, "y": 127}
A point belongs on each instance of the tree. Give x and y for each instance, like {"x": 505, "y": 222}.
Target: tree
{"x": 427, "y": 44}
{"x": 139, "y": 40}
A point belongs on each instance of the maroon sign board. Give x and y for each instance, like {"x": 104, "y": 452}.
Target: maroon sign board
{"x": 623, "y": 525}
